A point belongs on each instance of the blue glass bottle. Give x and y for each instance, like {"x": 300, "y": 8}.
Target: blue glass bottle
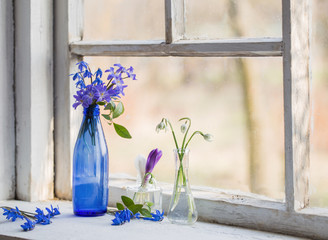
{"x": 90, "y": 166}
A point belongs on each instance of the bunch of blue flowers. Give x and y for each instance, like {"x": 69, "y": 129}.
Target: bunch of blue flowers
{"x": 93, "y": 90}
{"x": 31, "y": 218}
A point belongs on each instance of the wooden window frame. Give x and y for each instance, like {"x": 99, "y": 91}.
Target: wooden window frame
{"x": 292, "y": 216}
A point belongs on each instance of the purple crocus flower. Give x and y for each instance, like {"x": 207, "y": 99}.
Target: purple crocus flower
{"x": 153, "y": 159}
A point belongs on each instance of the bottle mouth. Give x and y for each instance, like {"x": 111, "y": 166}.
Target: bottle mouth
{"x": 92, "y": 110}
{"x": 180, "y": 150}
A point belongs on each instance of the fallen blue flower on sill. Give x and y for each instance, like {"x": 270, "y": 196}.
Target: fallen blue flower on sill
{"x": 12, "y": 214}
{"x": 41, "y": 217}
{"x": 122, "y": 217}
{"x": 28, "y": 225}
{"x": 126, "y": 215}
{"x": 156, "y": 217}
{"x": 31, "y": 218}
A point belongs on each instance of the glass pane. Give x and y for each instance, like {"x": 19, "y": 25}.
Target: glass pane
{"x": 319, "y": 136}
{"x": 211, "y": 19}
{"x": 212, "y": 92}
{"x": 124, "y": 20}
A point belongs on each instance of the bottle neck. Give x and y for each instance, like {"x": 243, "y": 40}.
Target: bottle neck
{"x": 92, "y": 110}
{"x": 181, "y": 158}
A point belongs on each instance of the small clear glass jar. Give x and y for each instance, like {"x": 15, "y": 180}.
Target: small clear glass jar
{"x": 148, "y": 194}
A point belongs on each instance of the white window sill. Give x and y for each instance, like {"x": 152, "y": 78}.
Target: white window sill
{"x": 68, "y": 226}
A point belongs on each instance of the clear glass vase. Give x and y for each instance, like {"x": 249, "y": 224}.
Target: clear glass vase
{"x": 147, "y": 194}
{"x": 90, "y": 167}
{"x": 182, "y": 209}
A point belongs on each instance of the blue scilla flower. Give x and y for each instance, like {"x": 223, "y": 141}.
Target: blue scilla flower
{"x": 12, "y": 214}
{"x": 120, "y": 88}
{"x": 115, "y": 76}
{"x": 98, "y": 73}
{"x": 120, "y": 68}
{"x": 130, "y": 74}
{"x": 54, "y": 211}
{"x": 76, "y": 76}
{"x": 28, "y": 225}
{"x": 41, "y": 217}
{"x": 78, "y": 99}
{"x": 157, "y": 217}
{"x": 89, "y": 95}
{"x": 87, "y": 74}
{"x": 82, "y": 65}
{"x": 80, "y": 84}
{"x": 122, "y": 217}
{"x": 97, "y": 81}
{"x": 104, "y": 94}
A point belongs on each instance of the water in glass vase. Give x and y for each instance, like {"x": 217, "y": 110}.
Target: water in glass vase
{"x": 150, "y": 196}
{"x": 90, "y": 167}
{"x": 182, "y": 209}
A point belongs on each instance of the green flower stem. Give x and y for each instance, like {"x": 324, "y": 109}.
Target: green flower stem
{"x": 109, "y": 84}
{"x": 185, "y": 136}
{"x": 82, "y": 78}
{"x": 174, "y": 138}
{"x": 24, "y": 213}
{"x": 145, "y": 179}
{"x": 199, "y": 132}
{"x": 91, "y": 75}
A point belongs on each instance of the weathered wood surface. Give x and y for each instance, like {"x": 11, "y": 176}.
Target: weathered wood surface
{"x": 188, "y": 48}
{"x": 7, "y": 108}
{"x": 67, "y": 226}
{"x": 68, "y": 28}
{"x": 174, "y": 20}
{"x": 34, "y": 99}
{"x": 296, "y": 70}
{"x": 244, "y": 210}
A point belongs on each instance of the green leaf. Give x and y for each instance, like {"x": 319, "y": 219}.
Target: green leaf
{"x": 135, "y": 208}
{"x": 127, "y": 201}
{"x": 121, "y": 131}
{"x": 106, "y": 116}
{"x": 100, "y": 103}
{"x": 149, "y": 204}
{"x": 119, "y": 206}
{"x": 110, "y": 106}
{"x": 119, "y": 110}
{"x": 144, "y": 212}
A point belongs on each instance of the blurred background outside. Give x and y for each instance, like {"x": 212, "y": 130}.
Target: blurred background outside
{"x": 238, "y": 100}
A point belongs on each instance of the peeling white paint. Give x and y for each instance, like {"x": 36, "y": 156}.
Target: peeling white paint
{"x": 7, "y": 111}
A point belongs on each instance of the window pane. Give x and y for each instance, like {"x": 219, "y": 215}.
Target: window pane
{"x": 319, "y": 136}
{"x": 211, "y": 19}
{"x": 211, "y": 91}
{"x": 123, "y": 20}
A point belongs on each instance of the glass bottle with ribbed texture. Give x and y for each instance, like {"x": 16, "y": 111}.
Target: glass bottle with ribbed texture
{"x": 90, "y": 167}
